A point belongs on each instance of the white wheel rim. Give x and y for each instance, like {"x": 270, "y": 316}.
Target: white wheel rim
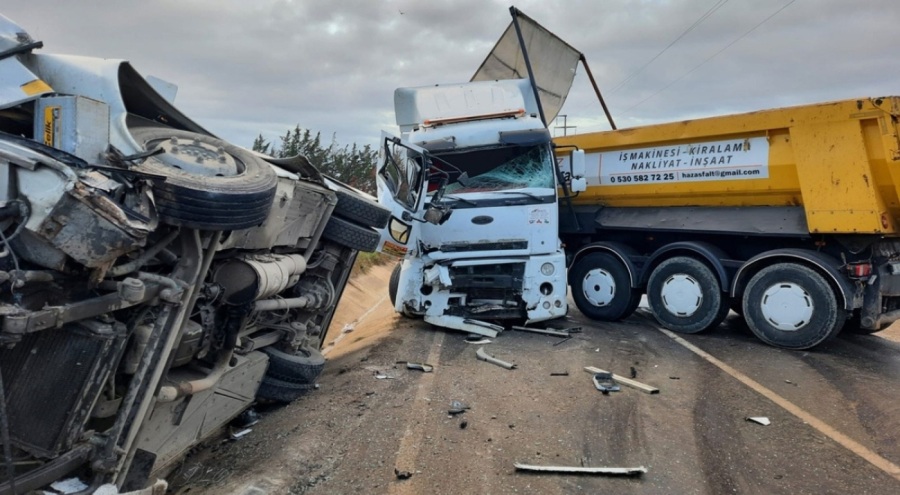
{"x": 787, "y": 306}
{"x": 681, "y": 295}
{"x": 599, "y": 287}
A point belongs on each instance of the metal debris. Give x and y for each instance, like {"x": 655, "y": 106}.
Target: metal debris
{"x": 543, "y": 331}
{"x": 760, "y": 419}
{"x": 629, "y": 471}
{"x": 480, "y": 354}
{"x": 628, "y": 382}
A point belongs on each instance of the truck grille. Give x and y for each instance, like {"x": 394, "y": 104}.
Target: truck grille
{"x": 462, "y": 247}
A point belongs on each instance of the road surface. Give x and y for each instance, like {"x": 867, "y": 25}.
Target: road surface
{"x": 834, "y": 413}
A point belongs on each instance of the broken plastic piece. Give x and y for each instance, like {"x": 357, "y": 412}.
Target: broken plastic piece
{"x": 604, "y": 382}
{"x": 760, "y": 419}
{"x": 427, "y": 368}
{"x": 630, "y": 471}
{"x": 402, "y": 475}
{"x": 238, "y": 434}
{"x": 480, "y": 354}
{"x": 477, "y": 339}
{"x": 382, "y": 376}
{"x": 457, "y": 407}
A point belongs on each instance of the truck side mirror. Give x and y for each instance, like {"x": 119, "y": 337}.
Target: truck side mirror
{"x": 578, "y": 168}
{"x": 579, "y": 183}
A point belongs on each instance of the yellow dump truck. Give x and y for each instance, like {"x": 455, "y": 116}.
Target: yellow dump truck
{"x": 790, "y": 217}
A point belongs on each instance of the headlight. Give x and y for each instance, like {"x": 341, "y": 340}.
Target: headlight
{"x": 547, "y": 269}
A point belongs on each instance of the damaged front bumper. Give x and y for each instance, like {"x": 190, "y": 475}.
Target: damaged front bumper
{"x": 532, "y": 288}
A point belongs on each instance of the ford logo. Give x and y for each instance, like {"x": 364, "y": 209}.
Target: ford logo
{"x": 482, "y": 220}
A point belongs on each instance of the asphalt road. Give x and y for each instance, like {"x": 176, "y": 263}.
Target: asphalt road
{"x": 834, "y": 412}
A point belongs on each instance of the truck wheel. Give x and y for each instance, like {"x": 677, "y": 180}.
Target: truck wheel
{"x": 792, "y": 306}
{"x": 601, "y": 288}
{"x": 302, "y": 367}
{"x": 685, "y": 296}
{"x": 347, "y": 233}
{"x": 359, "y": 207}
{"x": 271, "y": 389}
{"x": 210, "y": 184}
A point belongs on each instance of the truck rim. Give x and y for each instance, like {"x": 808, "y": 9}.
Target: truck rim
{"x": 787, "y": 306}
{"x": 681, "y": 295}
{"x": 599, "y": 287}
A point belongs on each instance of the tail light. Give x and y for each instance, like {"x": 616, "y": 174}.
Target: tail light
{"x": 859, "y": 270}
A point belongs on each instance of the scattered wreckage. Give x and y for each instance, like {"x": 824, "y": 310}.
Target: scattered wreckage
{"x": 155, "y": 279}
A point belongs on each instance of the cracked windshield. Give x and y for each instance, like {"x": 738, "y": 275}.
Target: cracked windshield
{"x": 519, "y": 168}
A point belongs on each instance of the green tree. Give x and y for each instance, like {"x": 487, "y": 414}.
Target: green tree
{"x": 349, "y": 164}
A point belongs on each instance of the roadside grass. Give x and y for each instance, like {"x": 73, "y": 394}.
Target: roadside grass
{"x": 365, "y": 261}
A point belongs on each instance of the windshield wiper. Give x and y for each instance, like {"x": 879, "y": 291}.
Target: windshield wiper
{"x": 530, "y": 195}
{"x": 462, "y": 200}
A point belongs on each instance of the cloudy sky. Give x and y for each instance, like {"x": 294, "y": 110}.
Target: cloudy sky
{"x": 246, "y": 68}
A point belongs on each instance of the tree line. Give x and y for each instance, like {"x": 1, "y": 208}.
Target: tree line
{"x": 351, "y": 164}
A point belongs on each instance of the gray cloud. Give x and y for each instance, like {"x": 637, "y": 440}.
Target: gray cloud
{"x": 245, "y": 68}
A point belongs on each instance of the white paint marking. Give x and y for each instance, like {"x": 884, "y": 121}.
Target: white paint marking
{"x": 852, "y": 445}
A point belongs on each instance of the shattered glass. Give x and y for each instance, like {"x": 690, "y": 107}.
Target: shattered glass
{"x": 530, "y": 168}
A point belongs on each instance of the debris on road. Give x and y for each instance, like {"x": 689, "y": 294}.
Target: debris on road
{"x": 604, "y": 382}
{"x": 463, "y": 424}
{"x": 630, "y": 471}
{"x": 480, "y": 354}
{"x": 760, "y": 419}
{"x": 633, "y": 372}
{"x": 474, "y": 338}
{"x": 402, "y": 475}
{"x": 628, "y": 382}
{"x": 560, "y": 373}
{"x": 234, "y": 435}
{"x": 543, "y": 331}
{"x": 427, "y": 368}
{"x": 457, "y": 407}
{"x": 382, "y": 376}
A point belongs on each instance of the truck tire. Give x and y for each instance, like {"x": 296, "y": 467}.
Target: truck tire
{"x": 304, "y": 366}
{"x": 792, "y": 306}
{"x": 685, "y": 296}
{"x": 601, "y": 288}
{"x": 347, "y": 233}
{"x": 359, "y": 207}
{"x": 274, "y": 390}
{"x": 210, "y": 184}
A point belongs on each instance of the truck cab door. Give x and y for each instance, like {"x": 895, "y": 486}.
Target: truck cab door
{"x": 402, "y": 184}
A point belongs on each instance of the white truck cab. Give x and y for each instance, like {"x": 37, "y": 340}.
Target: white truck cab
{"x": 472, "y": 187}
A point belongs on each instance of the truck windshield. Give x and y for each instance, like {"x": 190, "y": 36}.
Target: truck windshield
{"x": 496, "y": 169}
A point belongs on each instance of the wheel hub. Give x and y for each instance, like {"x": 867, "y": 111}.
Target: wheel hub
{"x": 599, "y": 287}
{"x": 198, "y": 158}
{"x": 681, "y": 295}
{"x": 787, "y": 306}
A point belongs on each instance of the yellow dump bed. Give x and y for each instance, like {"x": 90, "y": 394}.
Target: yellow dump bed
{"x": 839, "y": 160}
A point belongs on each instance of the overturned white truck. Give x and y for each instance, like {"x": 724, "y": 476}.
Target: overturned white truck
{"x": 155, "y": 281}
